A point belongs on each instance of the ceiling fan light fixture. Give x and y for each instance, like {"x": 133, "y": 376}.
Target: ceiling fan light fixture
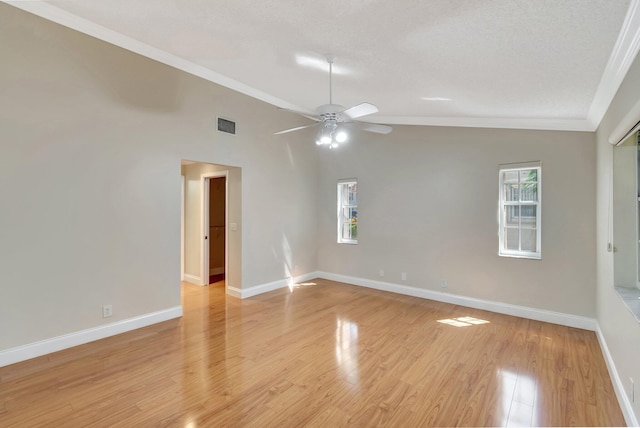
{"x": 324, "y": 136}
{"x": 331, "y": 135}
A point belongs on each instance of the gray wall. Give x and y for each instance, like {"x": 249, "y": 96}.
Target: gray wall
{"x": 427, "y": 206}
{"x": 619, "y": 328}
{"x": 91, "y": 139}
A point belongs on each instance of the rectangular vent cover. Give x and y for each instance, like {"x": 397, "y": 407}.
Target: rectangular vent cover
{"x": 226, "y": 126}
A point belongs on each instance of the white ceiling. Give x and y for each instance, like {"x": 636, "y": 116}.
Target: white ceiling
{"x": 539, "y": 64}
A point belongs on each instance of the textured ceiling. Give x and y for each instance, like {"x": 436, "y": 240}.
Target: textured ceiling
{"x": 509, "y": 63}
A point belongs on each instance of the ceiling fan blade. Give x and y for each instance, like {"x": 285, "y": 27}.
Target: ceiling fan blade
{"x": 378, "y": 129}
{"x": 360, "y": 110}
{"x": 308, "y": 116}
{"x": 295, "y": 129}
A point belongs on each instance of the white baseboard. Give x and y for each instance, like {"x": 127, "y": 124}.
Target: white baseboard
{"x": 618, "y": 386}
{"x": 270, "y": 286}
{"x": 47, "y": 346}
{"x": 560, "y": 318}
{"x": 487, "y": 305}
{"x": 216, "y": 271}
{"x": 192, "y": 279}
{"x": 234, "y": 292}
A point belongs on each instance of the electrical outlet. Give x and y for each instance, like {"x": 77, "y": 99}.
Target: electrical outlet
{"x": 107, "y": 311}
{"x": 381, "y": 272}
{"x": 403, "y": 276}
{"x": 444, "y": 284}
{"x": 632, "y": 392}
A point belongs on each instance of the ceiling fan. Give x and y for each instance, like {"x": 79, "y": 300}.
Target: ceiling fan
{"x": 334, "y": 117}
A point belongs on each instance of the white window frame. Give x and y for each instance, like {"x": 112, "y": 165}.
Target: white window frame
{"x": 342, "y": 184}
{"x": 502, "y": 251}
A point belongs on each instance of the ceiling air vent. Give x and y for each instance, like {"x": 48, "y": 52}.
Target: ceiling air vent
{"x": 226, "y": 126}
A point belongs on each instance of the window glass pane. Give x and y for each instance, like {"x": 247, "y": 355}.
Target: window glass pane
{"x": 349, "y": 214}
{"x": 510, "y": 177}
{"x": 528, "y": 175}
{"x": 511, "y": 239}
{"x": 510, "y": 192}
{"x": 349, "y": 230}
{"x": 344, "y": 195}
{"x": 529, "y": 191}
{"x": 511, "y": 215}
{"x": 529, "y": 237}
{"x": 528, "y": 216}
{"x": 352, "y": 190}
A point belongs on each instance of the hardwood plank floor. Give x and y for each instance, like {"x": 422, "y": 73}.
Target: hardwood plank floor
{"x": 322, "y": 354}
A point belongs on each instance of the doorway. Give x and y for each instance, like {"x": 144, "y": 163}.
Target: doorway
{"x": 214, "y": 227}
{"x": 226, "y": 228}
{"x": 217, "y": 226}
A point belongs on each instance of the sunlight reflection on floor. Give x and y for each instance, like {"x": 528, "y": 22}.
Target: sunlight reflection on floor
{"x": 517, "y": 404}
{"x": 293, "y": 285}
{"x": 347, "y": 349}
{"x": 463, "y": 321}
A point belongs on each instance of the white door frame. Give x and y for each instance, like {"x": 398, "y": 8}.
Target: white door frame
{"x": 182, "y": 191}
{"x": 204, "y": 200}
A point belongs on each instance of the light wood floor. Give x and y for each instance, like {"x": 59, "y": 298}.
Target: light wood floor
{"x": 324, "y": 354}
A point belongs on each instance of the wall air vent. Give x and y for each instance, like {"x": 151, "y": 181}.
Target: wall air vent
{"x": 226, "y": 126}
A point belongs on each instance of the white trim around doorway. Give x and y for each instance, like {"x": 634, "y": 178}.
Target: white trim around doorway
{"x": 182, "y": 201}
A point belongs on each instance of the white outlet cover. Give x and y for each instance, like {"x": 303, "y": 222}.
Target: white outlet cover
{"x": 107, "y": 311}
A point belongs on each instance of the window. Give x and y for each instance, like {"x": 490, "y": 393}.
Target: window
{"x": 348, "y": 212}
{"x": 520, "y": 210}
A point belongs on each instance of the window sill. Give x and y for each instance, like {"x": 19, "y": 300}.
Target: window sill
{"x": 522, "y": 256}
{"x": 631, "y": 299}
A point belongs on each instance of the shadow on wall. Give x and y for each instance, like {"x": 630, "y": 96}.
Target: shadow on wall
{"x": 129, "y": 80}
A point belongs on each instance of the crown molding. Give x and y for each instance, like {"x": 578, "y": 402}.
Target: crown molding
{"x": 622, "y": 56}
{"x": 489, "y": 122}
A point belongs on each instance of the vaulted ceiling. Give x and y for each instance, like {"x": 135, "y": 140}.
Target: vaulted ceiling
{"x": 537, "y": 64}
